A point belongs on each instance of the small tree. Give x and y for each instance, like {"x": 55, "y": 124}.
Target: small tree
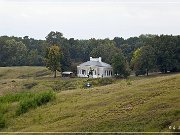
{"x": 135, "y": 58}
{"x": 120, "y": 66}
{"x": 53, "y": 57}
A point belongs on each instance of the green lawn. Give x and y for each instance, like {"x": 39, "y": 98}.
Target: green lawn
{"x": 137, "y": 104}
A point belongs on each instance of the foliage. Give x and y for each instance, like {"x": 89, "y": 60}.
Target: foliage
{"x": 9, "y": 98}
{"x": 104, "y": 81}
{"x": 166, "y": 51}
{"x": 129, "y": 82}
{"x": 53, "y": 58}
{"x": 140, "y": 72}
{"x": 2, "y": 121}
{"x": 35, "y": 101}
{"x": 75, "y": 83}
{"x": 120, "y": 66}
{"x": 18, "y": 51}
{"x": 105, "y": 49}
{"x": 143, "y": 60}
{"x": 99, "y": 81}
{"x": 64, "y": 85}
{"x": 54, "y": 38}
{"x": 12, "y": 53}
{"x": 27, "y": 101}
{"x": 4, "y": 107}
{"x": 135, "y": 58}
{"x": 119, "y": 41}
{"x": 5, "y": 102}
{"x": 127, "y": 50}
{"x": 30, "y": 85}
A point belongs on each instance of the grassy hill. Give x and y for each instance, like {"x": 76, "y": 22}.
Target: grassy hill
{"x": 136, "y": 104}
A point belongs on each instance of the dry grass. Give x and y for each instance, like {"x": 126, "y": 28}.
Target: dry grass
{"x": 138, "y": 104}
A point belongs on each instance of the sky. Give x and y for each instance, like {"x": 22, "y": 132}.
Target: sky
{"x": 85, "y": 19}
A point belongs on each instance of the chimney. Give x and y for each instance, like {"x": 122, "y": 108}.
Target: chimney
{"x": 90, "y": 58}
{"x": 100, "y": 59}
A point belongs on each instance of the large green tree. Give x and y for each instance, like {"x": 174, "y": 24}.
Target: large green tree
{"x": 53, "y": 58}
{"x": 166, "y": 52}
{"x": 105, "y": 49}
{"x": 166, "y": 48}
{"x": 55, "y": 38}
{"x": 12, "y": 53}
{"x": 58, "y": 39}
{"x": 143, "y": 60}
{"x": 120, "y": 66}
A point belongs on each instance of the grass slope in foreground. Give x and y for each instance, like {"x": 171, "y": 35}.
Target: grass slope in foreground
{"x": 139, "y": 104}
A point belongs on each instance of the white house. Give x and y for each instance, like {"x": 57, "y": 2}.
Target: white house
{"x": 94, "y": 68}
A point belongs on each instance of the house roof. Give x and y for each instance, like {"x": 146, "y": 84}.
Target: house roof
{"x": 95, "y": 63}
{"x": 67, "y": 72}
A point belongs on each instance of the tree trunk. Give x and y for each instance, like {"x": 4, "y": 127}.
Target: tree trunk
{"x": 147, "y": 72}
{"x": 55, "y": 74}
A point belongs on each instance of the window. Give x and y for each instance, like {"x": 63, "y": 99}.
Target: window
{"x": 83, "y": 72}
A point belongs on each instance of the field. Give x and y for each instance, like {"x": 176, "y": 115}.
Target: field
{"x": 135, "y": 104}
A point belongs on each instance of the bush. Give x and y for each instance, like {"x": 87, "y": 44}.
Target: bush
{"x": 44, "y": 98}
{"x": 4, "y": 107}
{"x": 64, "y": 85}
{"x": 100, "y": 81}
{"x": 105, "y": 81}
{"x": 25, "y": 105}
{"x": 35, "y": 101}
{"x": 30, "y": 85}
{"x": 2, "y": 121}
{"x": 140, "y": 72}
{"x": 9, "y": 98}
{"x": 128, "y": 82}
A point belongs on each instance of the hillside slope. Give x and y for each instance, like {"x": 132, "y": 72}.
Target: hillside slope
{"x": 138, "y": 104}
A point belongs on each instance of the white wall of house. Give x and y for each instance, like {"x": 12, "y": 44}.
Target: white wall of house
{"x": 84, "y": 71}
{"x": 97, "y": 73}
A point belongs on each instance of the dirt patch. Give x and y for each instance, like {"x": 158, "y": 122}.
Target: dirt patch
{"x": 1, "y": 75}
{"x": 30, "y": 85}
{"x": 42, "y": 73}
{"x": 24, "y": 76}
{"x": 160, "y": 106}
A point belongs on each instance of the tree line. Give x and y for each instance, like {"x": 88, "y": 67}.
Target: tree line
{"x": 142, "y": 54}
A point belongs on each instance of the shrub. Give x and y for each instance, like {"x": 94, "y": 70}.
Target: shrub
{"x": 64, "y": 85}
{"x": 25, "y": 105}
{"x": 140, "y": 72}
{"x": 2, "y": 121}
{"x": 128, "y": 82}
{"x": 43, "y": 98}
{"x": 105, "y": 81}
{"x": 9, "y": 98}
{"x": 37, "y": 100}
{"x": 176, "y": 112}
{"x": 4, "y": 107}
{"x": 100, "y": 81}
{"x": 30, "y": 85}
